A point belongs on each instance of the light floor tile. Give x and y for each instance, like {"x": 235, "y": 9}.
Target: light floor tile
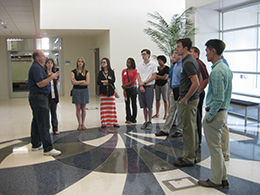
{"x": 24, "y": 156}
{"x": 99, "y": 141}
{"x": 97, "y": 183}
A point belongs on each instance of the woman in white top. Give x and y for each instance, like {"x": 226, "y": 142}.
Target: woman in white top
{"x": 50, "y": 68}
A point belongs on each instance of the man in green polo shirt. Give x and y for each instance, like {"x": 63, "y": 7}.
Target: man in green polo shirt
{"x": 217, "y": 102}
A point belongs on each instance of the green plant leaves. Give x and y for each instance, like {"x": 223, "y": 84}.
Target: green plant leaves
{"x": 165, "y": 35}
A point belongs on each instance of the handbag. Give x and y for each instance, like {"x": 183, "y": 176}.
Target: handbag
{"x": 131, "y": 90}
{"x": 115, "y": 90}
{"x": 116, "y": 94}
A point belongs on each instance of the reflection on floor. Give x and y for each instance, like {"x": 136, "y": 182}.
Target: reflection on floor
{"x": 127, "y": 160}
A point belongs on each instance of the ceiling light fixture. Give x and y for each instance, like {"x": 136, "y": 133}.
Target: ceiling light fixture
{"x": 3, "y": 24}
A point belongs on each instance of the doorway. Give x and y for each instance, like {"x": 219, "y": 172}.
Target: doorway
{"x": 97, "y": 68}
{"x": 19, "y": 65}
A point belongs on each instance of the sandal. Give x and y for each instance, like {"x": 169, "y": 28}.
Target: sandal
{"x": 155, "y": 116}
{"x": 79, "y": 128}
{"x": 83, "y": 127}
{"x": 165, "y": 117}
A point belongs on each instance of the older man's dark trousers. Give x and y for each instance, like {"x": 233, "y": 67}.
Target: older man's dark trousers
{"x": 40, "y": 123}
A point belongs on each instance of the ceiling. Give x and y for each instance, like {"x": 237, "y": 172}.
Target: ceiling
{"x": 22, "y": 19}
{"x": 227, "y": 5}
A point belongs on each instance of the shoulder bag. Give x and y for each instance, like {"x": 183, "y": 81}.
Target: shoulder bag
{"x": 131, "y": 90}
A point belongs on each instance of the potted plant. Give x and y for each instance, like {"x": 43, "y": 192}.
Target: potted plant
{"x": 166, "y": 34}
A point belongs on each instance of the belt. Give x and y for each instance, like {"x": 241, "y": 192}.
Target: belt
{"x": 133, "y": 87}
{"x": 39, "y": 94}
{"x": 207, "y": 109}
{"x": 145, "y": 86}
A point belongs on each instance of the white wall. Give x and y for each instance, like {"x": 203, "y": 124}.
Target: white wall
{"x": 73, "y": 48}
{"x": 125, "y": 21}
{"x": 208, "y": 23}
{"x": 4, "y": 92}
{"x": 103, "y": 43}
{"x": 206, "y": 19}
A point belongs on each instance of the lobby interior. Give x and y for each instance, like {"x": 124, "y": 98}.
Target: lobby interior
{"x": 127, "y": 160}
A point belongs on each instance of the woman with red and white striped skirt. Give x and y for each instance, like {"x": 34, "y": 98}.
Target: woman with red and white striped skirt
{"x": 106, "y": 80}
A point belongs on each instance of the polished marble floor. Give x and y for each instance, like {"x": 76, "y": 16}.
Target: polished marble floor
{"x": 127, "y": 160}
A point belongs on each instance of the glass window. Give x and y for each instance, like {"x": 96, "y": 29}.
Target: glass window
{"x": 242, "y": 45}
{"x": 241, "y": 39}
{"x": 17, "y": 44}
{"x": 48, "y": 43}
{"x": 241, "y": 61}
{"x": 258, "y": 37}
{"x": 241, "y": 17}
{"x": 246, "y": 83}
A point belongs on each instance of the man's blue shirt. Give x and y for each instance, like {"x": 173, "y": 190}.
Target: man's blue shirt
{"x": 175, "y": 74}
{"x": 36, "y": 75}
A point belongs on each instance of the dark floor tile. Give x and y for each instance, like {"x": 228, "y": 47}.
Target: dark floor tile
{"x": 144, "y": 183}
{"x": 44, "y": 178}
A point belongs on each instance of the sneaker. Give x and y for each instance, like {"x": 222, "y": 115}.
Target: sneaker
{"x": 52, "y": 152}
{"x": 149, "y": 126}
{"x": 36, "y": 149}
{"x": 144, "y": 125}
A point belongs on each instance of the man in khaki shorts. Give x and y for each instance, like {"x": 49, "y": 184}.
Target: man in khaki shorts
{"x": 147, "y": 71}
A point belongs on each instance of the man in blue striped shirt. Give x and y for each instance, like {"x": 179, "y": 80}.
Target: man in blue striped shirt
{"x": 217, "y": 102}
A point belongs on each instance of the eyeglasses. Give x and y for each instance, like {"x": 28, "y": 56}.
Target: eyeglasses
{"x": 80, "y": 61}
{"x": 143, "y": 54}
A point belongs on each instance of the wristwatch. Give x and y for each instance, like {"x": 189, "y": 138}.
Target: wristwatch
{"x": 144, "y": 83}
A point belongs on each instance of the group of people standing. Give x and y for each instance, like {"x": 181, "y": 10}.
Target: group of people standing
{"x": 188, "y": 78}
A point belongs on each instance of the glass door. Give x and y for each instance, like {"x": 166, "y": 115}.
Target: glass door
{"x": 19, "y": 63}
{"x": 20, "y": 60}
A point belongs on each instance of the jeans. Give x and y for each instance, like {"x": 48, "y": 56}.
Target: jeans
{"x": 40, "y": 123}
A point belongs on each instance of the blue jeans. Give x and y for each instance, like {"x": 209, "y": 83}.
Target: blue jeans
{"x": 40, "y": 123}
